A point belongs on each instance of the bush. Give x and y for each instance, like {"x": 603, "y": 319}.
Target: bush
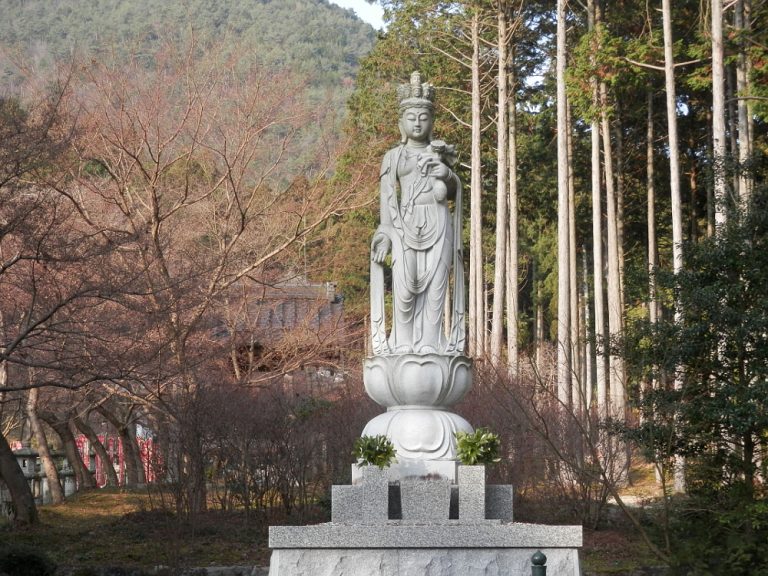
{"x": 374, "y": 450}
{"x": 22, "y": 561}
{"x": 722, "y": 535}
{"x": 480, "y": 447}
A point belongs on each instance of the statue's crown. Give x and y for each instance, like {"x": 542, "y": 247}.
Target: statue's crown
{"x": 416, "y": 94}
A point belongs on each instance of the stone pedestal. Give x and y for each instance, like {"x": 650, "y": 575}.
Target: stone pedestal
{"x": 513, "y": 561}
{"x": 449, "y": 529}
{"x": 417, "y": 391}
{"x": 472, "y": 493}
{"x": 405, "y": 468}
{"x": 425, "y": 515}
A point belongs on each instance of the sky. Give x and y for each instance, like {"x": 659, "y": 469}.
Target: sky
{"x": 371, "y": 13}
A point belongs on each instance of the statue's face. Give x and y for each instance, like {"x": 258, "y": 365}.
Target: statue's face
{"x": 416, "y": 124}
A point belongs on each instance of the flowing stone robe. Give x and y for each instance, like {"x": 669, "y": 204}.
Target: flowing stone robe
{"x": 426, "y": 244}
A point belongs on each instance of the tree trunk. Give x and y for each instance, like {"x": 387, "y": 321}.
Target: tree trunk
{"x": 653, "y": 302}
{"x": 512, "y": 252}
{"x": 615, "y": 320}
{"x": 140, "y": 473}
{"x": 733, "y": 125}
{"x": 131, "y": 454}
{"x": 748, "y": 75}
{"x": 573, "y": 280}
{"x": 502, "y": 146}
{"x": 587, "y": 373}
{"x": 476, "y": 313}
{"x": 49, "y": 466}
{"x": 619, "y": 136}
{"x": 563, "y": 221}
{"x": 742, "y": 90}
{"x": 84, "y": 477}
{"x": 693, "y": 187}
{"x": 674, "y": 164}
{"x": 101, "y": 452}
{"x": 538, "y": 324}
{"x": 718, "y": 113}
{"x": 709, "y": 182}
{"x": 21, "y": 496}
{"x": 601, "y": 359}
{"x": 654, "y": 308}
{"x": 193, "y": 477}
{"x": 674, "y": 184}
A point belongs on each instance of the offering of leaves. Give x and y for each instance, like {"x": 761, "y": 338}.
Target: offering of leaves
{"x": 374, "y": 451}
{"x": 480, "y": 447}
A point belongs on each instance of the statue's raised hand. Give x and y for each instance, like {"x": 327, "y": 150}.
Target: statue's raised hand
{"x": 380, "y": 247}
{"x": 432, "y": 166}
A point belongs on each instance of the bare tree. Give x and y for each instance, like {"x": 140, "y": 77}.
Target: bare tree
{"x": 63, "y": 428}
{"x": 122, "y": 420}
{"x": 81, "y": 423}
{"x": 33, "y": 133}
{"x": 49, "y": 466}
{"x": 191, "y": 167}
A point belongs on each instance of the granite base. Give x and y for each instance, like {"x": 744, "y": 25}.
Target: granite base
{"x": 399, "y": 548}
{"x": 420, "y": 562}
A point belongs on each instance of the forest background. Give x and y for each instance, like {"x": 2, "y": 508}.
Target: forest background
{"x": 614, "y": 157}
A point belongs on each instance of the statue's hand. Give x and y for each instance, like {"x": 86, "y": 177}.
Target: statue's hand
{"x": 435, "y": 168}
{"x": 380, "y": 247}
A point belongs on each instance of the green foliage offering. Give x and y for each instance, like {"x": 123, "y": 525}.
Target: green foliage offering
{"x": 480, "y": 447}
{"x": 374, "y": 451}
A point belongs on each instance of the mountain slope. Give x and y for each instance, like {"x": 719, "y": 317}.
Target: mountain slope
{"x": 312, "y": 37}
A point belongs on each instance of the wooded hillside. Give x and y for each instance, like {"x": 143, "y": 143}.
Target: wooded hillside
{"x": 312, "y": 37}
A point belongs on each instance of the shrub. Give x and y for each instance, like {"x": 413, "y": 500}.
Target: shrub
{"x": 22, "y": 561}
{"x": 374, "y": 450}
{"x": 480, "y": 447}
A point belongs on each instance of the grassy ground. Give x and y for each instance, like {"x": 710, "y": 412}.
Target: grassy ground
{"x": 622, "y": 550}
{"x": 608, "y": 552}
{"x": 120, "y": 528}
{"x": 129, "y": 529}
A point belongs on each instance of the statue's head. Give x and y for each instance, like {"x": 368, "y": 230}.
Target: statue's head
{"x": 416, "y": 103}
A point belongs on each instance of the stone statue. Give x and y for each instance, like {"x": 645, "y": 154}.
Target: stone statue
{"x": 424, "y": 514}
{"x": 423, "y": 236}
{"x": 418, "y": 370}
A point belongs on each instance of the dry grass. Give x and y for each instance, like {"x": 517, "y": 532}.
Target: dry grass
{"x": 119, "y": 528}
{"x": 614, "y": 552}
{"x": 642, "y": 481}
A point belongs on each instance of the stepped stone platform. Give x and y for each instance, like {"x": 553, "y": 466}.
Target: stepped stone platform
{"x": 428, "y": 526}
